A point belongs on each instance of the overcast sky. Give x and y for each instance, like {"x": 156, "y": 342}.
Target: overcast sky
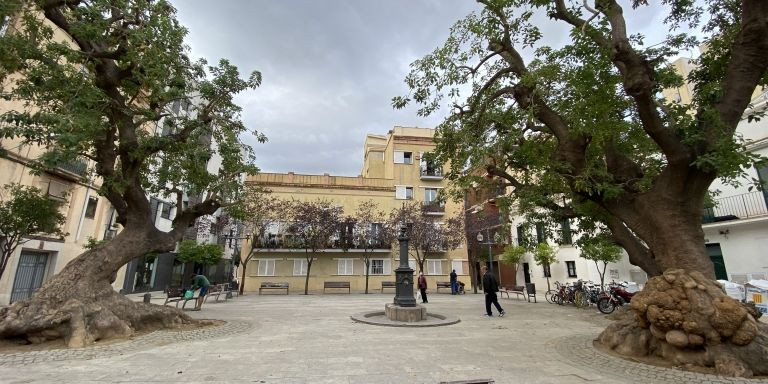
{"x": 330, "y": 68}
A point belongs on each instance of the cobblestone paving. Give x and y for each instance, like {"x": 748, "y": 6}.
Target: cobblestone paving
{"x": 578, "y": 351}
{"x": 157, "y": 338}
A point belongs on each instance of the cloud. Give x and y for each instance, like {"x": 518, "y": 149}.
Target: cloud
{"x": 330, "y": 69}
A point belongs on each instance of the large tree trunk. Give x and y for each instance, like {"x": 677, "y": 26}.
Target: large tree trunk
{"x": 687, "y": 319}
{"x": 80, "y": 305}
{"x": 242, "y": 277}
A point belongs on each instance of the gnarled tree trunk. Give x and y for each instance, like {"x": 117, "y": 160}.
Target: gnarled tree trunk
{"x": 79, "y": 303}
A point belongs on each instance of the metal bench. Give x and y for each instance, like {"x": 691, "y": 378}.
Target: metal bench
{"x": 216, "y": 290}
{"x": 337, "y": 284}
{"x": 388, "y": 284}
{"x": 273, "y": 286}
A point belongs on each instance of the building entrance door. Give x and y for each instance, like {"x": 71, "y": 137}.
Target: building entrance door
{"x": 526, "y": 273}
{"x": 716, "y": 255}
{"x": 30, "y": 274}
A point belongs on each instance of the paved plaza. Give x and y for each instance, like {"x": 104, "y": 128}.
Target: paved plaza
{"x": 311, "y": 339}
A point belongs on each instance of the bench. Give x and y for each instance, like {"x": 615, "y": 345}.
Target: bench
{"x": 337, "y": 284}
{"x": 518, "y": 290}
{"x": 273, "y": 286}
{"x": 176, "y": 295}
{"x": 388, "y": 284}
{"x": 216, "y": 290}
{"x": 443, "y": 284}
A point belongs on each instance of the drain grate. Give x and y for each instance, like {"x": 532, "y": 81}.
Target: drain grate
{"x": 476, "y": 381}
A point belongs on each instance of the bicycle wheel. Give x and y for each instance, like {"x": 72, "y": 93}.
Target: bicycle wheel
{"x": 557, "y": 299}
{"x": 548, "y": 296}
{"x": 605, "y": 305}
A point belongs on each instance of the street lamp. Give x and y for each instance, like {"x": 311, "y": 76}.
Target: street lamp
{"x": 489, "y": 243}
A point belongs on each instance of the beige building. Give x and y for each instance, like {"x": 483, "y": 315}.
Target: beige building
{"x": 88, "y": 215}
{"x": 393, "y": 172}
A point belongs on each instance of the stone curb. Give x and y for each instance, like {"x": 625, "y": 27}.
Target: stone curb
{"x": 378, "y": 318}
{"x": 578, "y": 351}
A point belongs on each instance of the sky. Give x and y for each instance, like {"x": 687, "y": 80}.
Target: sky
{"x": 331, "y": 67}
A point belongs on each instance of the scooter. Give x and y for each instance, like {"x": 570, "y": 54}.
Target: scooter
{"x": 617, "y": 297}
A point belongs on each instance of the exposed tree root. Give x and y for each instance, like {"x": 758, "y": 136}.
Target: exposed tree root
{"x": 688, "y": 320}
{"x": 81, "y": 321}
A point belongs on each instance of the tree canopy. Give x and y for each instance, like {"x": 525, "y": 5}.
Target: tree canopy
{"x": 25, "y": 211}
{"x": 581, "y": 131}
{"x": 205, "y": 254}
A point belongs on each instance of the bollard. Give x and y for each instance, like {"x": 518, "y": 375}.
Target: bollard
{"x": 147, "y": 296}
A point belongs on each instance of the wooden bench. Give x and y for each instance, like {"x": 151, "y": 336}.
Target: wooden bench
{"x": 388, "y": 284}
{"x": 443, "y": 284}
{"x": 176, "y": 295}
{"x": 337, "y": 284}
{"x": 216, "y": 290}
{"x": 518, "y": 290}
{"x": 273, "y": 286}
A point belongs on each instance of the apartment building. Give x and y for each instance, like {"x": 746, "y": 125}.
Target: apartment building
{"x": 394, "y": 171}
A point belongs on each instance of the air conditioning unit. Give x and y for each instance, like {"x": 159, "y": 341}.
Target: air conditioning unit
{"x": 58, "y": 190}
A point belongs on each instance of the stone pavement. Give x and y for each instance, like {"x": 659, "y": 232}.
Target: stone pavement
{"x": 311, "y": 339}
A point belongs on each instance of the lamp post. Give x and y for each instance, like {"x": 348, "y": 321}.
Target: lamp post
{"x": 489, "y": 243}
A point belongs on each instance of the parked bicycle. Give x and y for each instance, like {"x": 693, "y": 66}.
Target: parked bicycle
{"x": 617, "y": 296}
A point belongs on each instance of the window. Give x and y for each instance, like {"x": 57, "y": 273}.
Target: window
{"x": 458, "y": 266}
{"x": 90, "y": 209}
{"x": 413, "y": 265}
{"x": 541, "y": 234}
{"x": 4, "y": 22}
{"x": 613, "y": 273}
{"x": 430, "y": 194}
{"x": 762, "y": 175}
{"x": 521, "y": 235}
{"x": 165, "y": 213}
{"x": 403, "y": 193}
{"x": 299, "y": 267}
{"x": 266, "y": 267}
{"x": 565, "y": 232}
{"x": 381, "y": 267}
{"x": 434, "y": 267}
{"x": 403, "y": 157}
{"x": 571, "y": 266}
{"x": 346, "y": 266}
{"x": 547, "y": 272}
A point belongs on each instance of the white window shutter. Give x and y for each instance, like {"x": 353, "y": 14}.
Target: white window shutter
{"x": 399, "y": 157}
{"x": 387, "y": 266}
{"x": 400, "y": 193}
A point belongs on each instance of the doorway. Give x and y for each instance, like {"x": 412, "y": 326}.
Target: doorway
{"x": 526, "y": 273}
{"x": 30, "y": 274}
{"x": 716, "y": 255}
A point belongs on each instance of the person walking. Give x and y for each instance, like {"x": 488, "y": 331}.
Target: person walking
{"x": 490, "y": 287}
{"x": 454, "y": 283}
{"x": 200, "y": 281}
{"x": 422, "y": 283}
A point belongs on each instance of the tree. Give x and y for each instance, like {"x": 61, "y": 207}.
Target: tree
{"x": 476, "y": 221}
{"x": 601, "y": 251}
{"x": 427, "y": 234}
{"x": 205, "y": 254}
{"x": 371, "y": 232}
{"x": 581, "y": 130}
{"x": 513, "y": 256}
{"x": 259, "y": 211}
{"x": 100, "y": 94}
{"x": 25, "y": 211}
{"x": 545, "y": 255}
{"x": 313, "y": 226}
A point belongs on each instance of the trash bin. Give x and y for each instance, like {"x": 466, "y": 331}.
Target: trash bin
{"x": 530, "y": 291}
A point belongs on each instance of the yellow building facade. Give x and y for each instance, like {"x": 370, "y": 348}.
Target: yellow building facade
{"x": 393, "y": 173}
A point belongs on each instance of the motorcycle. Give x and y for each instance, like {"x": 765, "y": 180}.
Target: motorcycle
{"x": 616, "y": 297}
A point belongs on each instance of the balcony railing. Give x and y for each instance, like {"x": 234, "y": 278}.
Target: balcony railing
{"x": 431, "y": 173}
{"x": 744, "y": 206}
{"x": 287, "y": 242}
{"x": 74, "y": 169}
{"x": 433, "y": 208}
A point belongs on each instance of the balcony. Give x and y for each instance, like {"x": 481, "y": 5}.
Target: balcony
{"x": 74, "y": 170}
{"x": 430, "y": 173}
{"x": 433, "y": 208}
{"x": 744, "y": 206}
{"x": 287, "y": 243}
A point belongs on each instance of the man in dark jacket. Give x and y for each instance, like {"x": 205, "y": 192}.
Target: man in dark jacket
{"x": 454, "y": 283}
{"x": 490, "y": 287}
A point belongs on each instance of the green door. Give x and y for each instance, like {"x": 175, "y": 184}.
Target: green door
{"x": 716, "y": 255}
